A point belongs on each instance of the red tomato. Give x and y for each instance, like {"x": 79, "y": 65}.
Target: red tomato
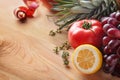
{"x": 86, "y": 32}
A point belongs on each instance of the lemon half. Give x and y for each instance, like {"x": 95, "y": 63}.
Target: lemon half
{"x": 87, "y": 59}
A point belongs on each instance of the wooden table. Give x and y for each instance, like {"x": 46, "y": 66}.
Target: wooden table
{"x": 26, "y": 49}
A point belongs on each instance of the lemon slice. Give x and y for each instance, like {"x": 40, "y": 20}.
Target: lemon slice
{"x": 87, "y": 59}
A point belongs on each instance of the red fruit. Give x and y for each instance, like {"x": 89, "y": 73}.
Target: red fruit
{"x": 30, "y": 13}
{"x": 33, "y": 5}
{"x": 112, "y": 59}
{"x": 86, "y": 32}
{"x": 113, "y": 14}
{"x": 107, "y": 26}
{"x": 113, "y": 45}
{"x": 107, "y": 50}
{"x": 117, "y": 16}
{"x": 20, "y": 12}
{"x": 104, "y": 20}
{"x": 114, "y": 33}
{"x": 113, "y": 21}
{"x": 106, "y": 40}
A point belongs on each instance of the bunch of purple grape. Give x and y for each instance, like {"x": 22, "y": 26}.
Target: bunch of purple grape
{"x": 111, "y": 43}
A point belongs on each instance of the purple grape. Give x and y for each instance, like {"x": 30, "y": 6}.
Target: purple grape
{"x": 113, "y": 14}
{"x": 105, "y": 57}
{"x": 113, "y": 45}
{"x": 106, "y": 68}
{"x": 117, "y": 16}
{"x": 116, "y": 71}
{"x": 107, "y": 26}
{"x": 112, "y": 59}
{"x": 106, "y": 40}
{"x": 104, "y": 20}
{"x": 113, "y": 21}
{"x": 114, "y": 32}
{"x": 118, "y": 51}
{"x": 107, "y": 50}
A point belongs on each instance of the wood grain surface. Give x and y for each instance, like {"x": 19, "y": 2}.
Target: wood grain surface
{"x": 26, "y": 49}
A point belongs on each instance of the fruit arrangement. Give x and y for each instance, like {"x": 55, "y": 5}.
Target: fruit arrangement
{"x": 111, "y": 43}
{"x": 91, "y": 32}
{"x": 24, "y": 12}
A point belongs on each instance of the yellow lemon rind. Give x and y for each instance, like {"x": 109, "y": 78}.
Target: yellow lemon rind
{"x": 99, "y": 54}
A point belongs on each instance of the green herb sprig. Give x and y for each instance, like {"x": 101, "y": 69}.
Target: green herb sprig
{"x": 65, "y": 54}
{"x": 53, "y": 33}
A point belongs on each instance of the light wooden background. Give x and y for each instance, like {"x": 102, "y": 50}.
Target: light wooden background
{"x": 26, "y": 49}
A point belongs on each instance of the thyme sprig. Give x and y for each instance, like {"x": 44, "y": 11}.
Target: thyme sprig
{"x": 56, "y": 50}
{"x": 53, "y": 33}
{"x": 65, "y": 54}
{"x": 64, "y": 46}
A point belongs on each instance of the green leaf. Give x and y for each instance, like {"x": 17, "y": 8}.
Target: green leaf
{"x": 74, "y": 10}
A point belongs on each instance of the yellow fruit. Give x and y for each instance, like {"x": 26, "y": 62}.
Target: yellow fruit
{"x": 87, "y": 59}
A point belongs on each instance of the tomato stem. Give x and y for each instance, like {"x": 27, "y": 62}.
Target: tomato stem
{"x": 86, "y": 25}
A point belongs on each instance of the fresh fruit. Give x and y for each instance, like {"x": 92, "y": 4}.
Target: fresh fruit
{"x": 107, "y": 26}
{"x": 86, "y": 32}
{"x": 87, "y": 59}
{"x": 116, "y": 71}
{"x": 104, "y": 20}
{"x": 23, "y": 12}
{"x": 112, "y": 46}
{"x": 114, "y": 32}
{"x": 33, "y": 3}
{"x": 106, "y": 40}
{"x": 112, "y": 21}
{"x": 117, "y": 16}
{"x": 112, "y": 60}
{"x": 32, "y": 8}
{"x": 20, "y": 13}
{"x": 111, "y": 43}
{"x": 113, "y": 15}
{"x": 107, "y": 50}
{"x": 106, "y": 68}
